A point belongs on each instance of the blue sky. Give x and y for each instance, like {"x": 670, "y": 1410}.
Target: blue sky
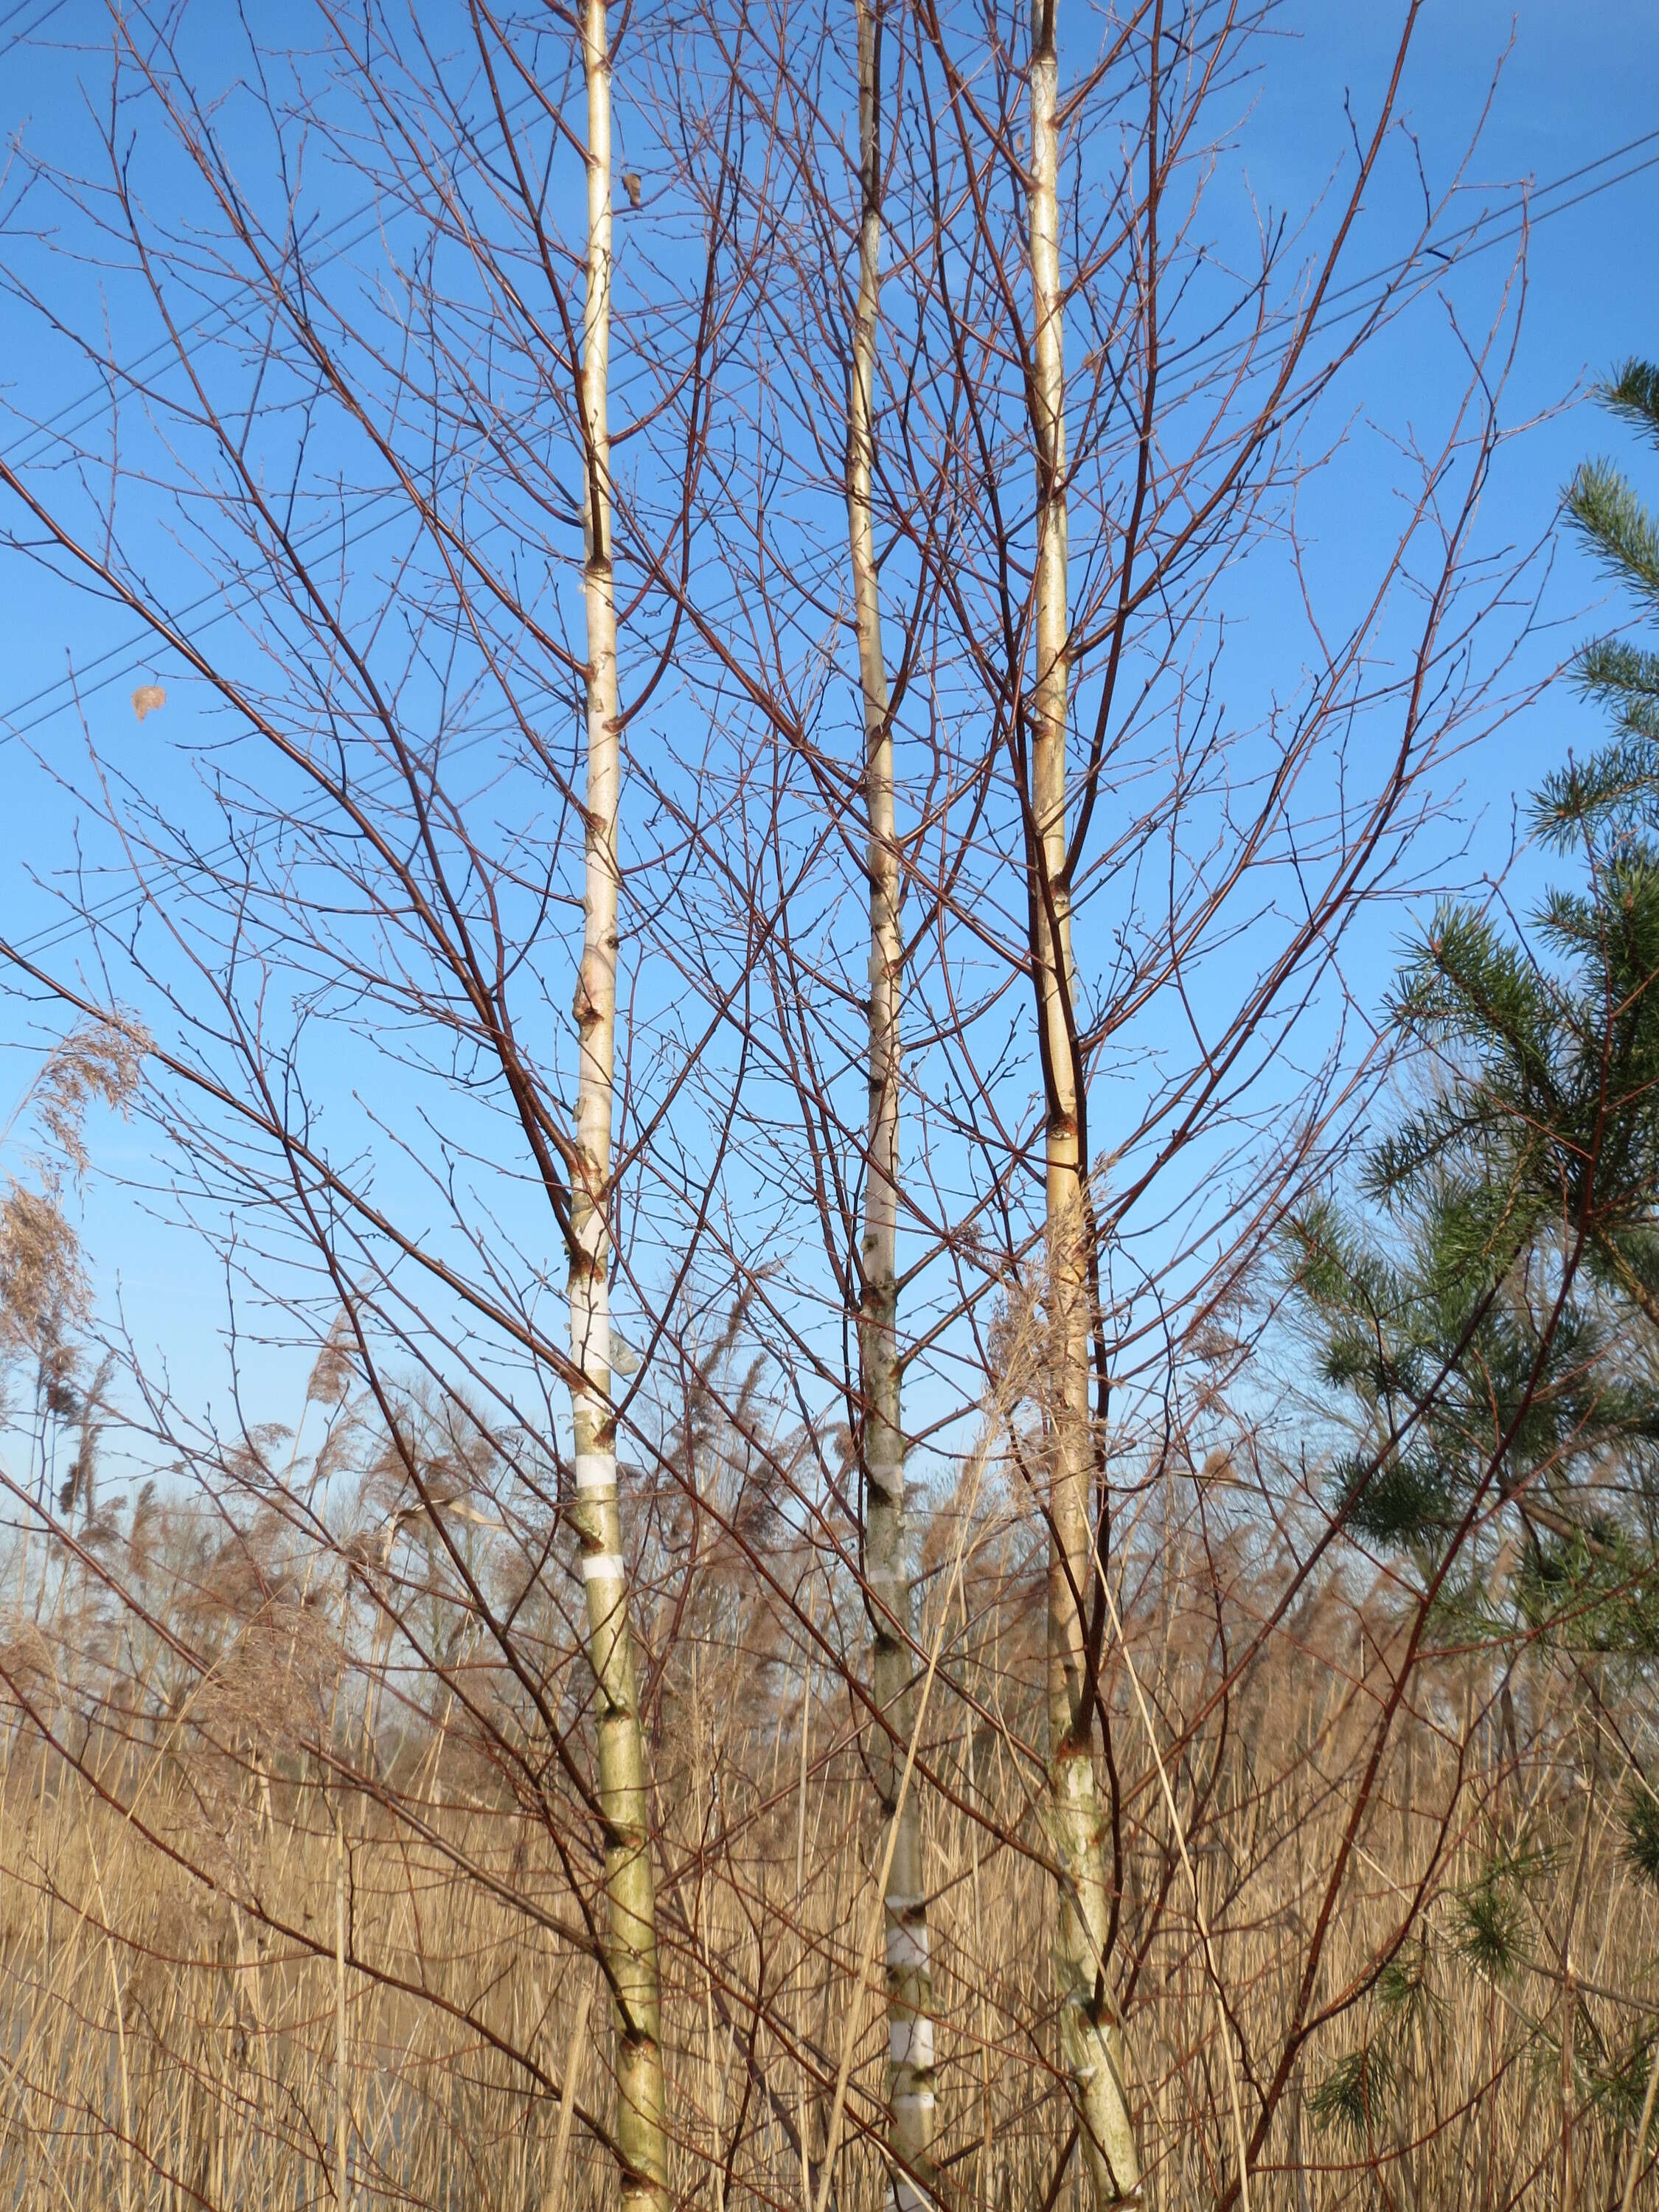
{"x": 1576, "y": 86}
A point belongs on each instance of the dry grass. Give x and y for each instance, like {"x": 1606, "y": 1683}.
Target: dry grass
{"x": 176, "y": 2009}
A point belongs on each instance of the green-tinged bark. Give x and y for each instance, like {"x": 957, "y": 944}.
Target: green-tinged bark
{"x": 1091, "y": 2045}
{"x": 631, "y": 1921}
{"x": 909, "y": 1988}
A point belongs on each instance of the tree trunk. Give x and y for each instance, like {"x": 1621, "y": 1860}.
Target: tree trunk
{"x": 631, "y": 1912}
{"x": 909, "y": 1988}
{"x": 1092, "y": 2046}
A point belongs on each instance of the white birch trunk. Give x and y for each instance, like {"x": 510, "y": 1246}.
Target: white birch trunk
{"x": 909, "y": 1988}
{"x": 630, "y": 1920}
{"x": 1091, "y": 2047}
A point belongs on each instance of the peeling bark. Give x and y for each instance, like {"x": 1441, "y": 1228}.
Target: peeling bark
{"x": 630, "y": 1894}
{"x": 909, "y": 1984}
{"x": 1091, "y": 2045}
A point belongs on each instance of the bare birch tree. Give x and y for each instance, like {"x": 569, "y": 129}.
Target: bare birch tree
{"x": 886, "y": 1564}
{"x": 443, "y": 915}
{"x": 885, "y": 691}
{"x": 631, "y": 1947}
{"x": 1090, "y": 2036}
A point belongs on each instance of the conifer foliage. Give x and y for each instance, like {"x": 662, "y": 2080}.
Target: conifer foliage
{"x": 1487, "y": 1306}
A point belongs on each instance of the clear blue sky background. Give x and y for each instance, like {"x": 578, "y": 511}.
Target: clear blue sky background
{"x": 1579, "y": 83}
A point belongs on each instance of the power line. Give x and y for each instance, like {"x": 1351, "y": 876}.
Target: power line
{"x": 28, "y": 29}
{"x": 69, "y": 690}
{"x": 76, "y": 413}
{"x": 1454, "y": 248}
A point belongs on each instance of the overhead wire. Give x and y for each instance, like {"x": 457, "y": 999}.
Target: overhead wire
{"x": 1528, "y": 208}
{"x": 28, "y": 30}
{"x": 1456, "y": 247}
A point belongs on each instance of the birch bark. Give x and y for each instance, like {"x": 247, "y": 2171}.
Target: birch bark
{"x": 1091, "y": 2045}
{"x": 630, "y": 1918}
{"x": 909, "y": 1989}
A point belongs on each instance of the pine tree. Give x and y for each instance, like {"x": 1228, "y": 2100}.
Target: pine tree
{"x": 1488, "y": 1309}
